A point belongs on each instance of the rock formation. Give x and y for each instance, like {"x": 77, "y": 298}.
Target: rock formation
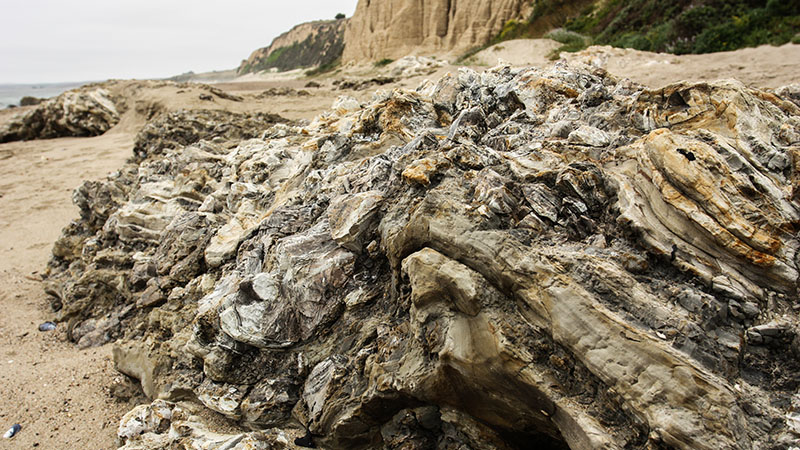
{"x": 396, "y": 28}
{"x": 491, "y": 260}
{"x": 88, "y": 111}
{"x": 306, "y": 45}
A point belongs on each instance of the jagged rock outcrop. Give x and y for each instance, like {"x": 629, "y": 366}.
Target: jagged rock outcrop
{"x": 396, "y": 28}
{"x": 88, "y": 111}
{"x": 309, "y": 44}
{"x": 491, "y": 260}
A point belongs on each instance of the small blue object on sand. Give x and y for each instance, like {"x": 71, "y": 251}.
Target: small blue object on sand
{"x": 47, "y": 326}
{"x": 12, "y": 431}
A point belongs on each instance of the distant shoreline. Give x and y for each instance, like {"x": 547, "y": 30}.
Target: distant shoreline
{"x": 12, "y": 93}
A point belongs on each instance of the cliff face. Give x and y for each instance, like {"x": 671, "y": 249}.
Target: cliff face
{"x": 306, "y": 45}
{"x": 395, "y": 28}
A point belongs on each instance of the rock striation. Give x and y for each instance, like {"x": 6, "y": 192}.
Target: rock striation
{"x": 89, "y": 111}
{"x": 491, "y": 259}
{"x": 396, "y": 28}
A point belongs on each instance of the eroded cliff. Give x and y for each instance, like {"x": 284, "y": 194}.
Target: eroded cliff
{"x": 396, "y": 28}
{"x": 489, "y": 260}
{"x": 306, "y": 45}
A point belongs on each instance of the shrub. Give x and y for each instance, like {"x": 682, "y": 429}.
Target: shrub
{"x": 632, "y": 40}
{"x": 511, "y": 30}
{"x": 325, "y": 68}
{"x": 661, "y": 37}
{"x": 694, "y": 20}
{"x": 567, "y": 37}
{"x": 572, "y": 41}
{"x": 383, "y": 62}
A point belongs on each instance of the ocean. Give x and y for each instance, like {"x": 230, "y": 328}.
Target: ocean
{"x": 10, "y": 94}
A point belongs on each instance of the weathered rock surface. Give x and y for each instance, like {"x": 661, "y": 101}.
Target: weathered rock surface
{"x": 88, "y": 111}
{"x": 164, "y": 426}
{"x": 491, "y": 260}
{"x": 411, "y": 66}
{"x": 396, "y": 28}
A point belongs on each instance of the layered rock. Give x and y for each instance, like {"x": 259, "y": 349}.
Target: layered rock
{"x": 306, "y": 45}
{"x": 493, "y": 259}
{"x": 396, "y": 28}
{"x": 88, "y": 111}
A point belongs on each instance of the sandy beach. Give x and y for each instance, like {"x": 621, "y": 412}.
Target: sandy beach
{"x": 61, "y": 395}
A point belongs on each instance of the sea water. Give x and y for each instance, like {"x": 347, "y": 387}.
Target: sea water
{"x": 11, "y": 94}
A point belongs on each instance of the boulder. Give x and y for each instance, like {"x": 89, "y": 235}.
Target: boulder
{"x": 87, "y": 111}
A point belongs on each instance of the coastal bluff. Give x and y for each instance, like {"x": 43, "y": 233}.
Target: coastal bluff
{"x": 395, "y": 28}
{"x": 309, "y": 44}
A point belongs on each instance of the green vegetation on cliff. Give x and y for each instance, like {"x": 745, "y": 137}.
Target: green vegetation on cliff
{"x": 680, "y": 26}
{"x": 320, "y": 49}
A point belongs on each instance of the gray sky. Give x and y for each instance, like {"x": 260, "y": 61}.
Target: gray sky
{"x": 80, "y": 40}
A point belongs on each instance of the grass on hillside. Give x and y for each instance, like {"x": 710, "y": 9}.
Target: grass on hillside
{"x": 325, "y": 68}
{"x": 679, "y": 26}
{"x": 322, "y": 49}
{"x": 686, "y": 26}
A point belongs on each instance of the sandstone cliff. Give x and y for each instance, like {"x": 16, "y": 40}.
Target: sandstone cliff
{"x": 396, "y": 28}
{"x": 306, "y": 45}
{"x": 494, "y": 259}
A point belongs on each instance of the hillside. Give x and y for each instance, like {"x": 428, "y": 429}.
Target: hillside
{"x": 682, "y": 26}
{"x": 306, "y": 45}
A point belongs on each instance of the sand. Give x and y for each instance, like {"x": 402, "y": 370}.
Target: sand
{"x": 765, "y": 66}
{"x": 59, "y": 393}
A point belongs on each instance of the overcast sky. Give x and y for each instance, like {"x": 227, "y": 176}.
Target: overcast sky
{"x": 81, "y": 40}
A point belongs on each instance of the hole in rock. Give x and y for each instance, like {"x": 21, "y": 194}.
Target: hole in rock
{"x": 540, "y": 441}
{"x": 676, "y": 100}
{"x": 510, "y": 409}
{"x": 689, "y": 155}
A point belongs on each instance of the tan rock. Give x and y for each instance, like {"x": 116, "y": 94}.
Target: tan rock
{"x": 421, "y": 171}
{"x": 139, "y": 361}
{"x": 352, "y": 216}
